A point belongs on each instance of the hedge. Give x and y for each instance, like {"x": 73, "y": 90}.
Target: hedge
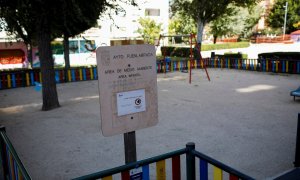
{"x": 280, "y": 55}
{"x": 185, "y": 51}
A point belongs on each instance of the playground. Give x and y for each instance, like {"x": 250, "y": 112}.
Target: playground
{"x": 245, "y": 119}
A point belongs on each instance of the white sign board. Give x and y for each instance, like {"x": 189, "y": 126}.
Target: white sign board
{"x": 131, "y": 102}
{"x": 127, "y": 88}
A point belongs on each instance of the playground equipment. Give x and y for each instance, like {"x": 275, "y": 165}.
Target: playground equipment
{"x": 192, "y": 42}
{"x": 295, "y": 93}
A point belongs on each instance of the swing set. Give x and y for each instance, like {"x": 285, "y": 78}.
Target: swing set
{"x": 193, "y": 46}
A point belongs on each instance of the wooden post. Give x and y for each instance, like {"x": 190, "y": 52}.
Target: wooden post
{"x": 130, "y": 147}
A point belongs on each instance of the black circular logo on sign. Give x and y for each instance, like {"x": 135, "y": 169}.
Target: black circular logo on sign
{"x": 138, "y": 101}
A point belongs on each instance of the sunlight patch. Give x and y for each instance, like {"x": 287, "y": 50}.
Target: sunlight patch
{"x": 255, "y": 88}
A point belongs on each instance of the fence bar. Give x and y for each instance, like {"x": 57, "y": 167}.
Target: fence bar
{"x": 203, "y": 169}
{"x": 161, "y": 170}
{"x": 146, "y": 172}
{"x": 297, "y": 154}
{"x": 107, "y": 178}
{"x": 218, "y": 174}
{"x": 125, "y": 175}
{"x": 190, "y": 161}
{"x": 13, "y": 153}
{"x": 95, "y": 73}
{"x": 233, "y": 177}
{"x": 176, "y": 171}
{"x": 132, "y": 165}
{"x": 221, "y": 165}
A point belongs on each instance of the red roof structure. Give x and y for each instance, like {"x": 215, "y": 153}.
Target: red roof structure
{"x": 296, "y": 32}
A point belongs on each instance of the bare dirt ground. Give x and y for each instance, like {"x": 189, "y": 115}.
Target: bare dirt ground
{"x": 245, "y": 119}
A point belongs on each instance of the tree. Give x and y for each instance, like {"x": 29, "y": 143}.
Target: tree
{"x": 149, "y": 30}
{"x": 277, "y": 14}
{"x": 203, "y": 11}
{"x": 223, "y": 25}
{"x": 182, "y": 24}
{"x": 25, "y": 32}
{"x": 297, "y": 25}
{"x": 51, "y": 20}
{"x": 238, "y": 21}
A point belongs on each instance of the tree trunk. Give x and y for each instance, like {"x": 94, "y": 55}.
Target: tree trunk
{"x": 66, "y": 51}
{"x": 200, "y": 28}
{"x": 50, "y": 98}
{"x": 215, "y": 39}
{"x": 29, "y": 54}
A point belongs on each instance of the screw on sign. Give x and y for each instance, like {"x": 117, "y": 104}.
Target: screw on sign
{"x": 138, "y": 101}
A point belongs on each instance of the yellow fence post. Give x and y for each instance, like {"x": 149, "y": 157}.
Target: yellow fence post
{"x": 161, "y": 170}
{"x": 218, "y": 174}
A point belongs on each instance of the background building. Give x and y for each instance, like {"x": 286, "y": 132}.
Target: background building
{"x": 124, "y": 25}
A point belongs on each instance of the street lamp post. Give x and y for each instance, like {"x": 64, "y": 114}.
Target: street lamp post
{"x": 285, "y": 16}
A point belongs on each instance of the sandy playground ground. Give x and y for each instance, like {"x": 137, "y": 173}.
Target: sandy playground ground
{"x": 244, "y": 119}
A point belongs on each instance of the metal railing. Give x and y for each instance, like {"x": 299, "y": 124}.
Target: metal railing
{"x": 191, "y": 155}
{"x": 29, "y": 77}
{"x": 11, "y": 166}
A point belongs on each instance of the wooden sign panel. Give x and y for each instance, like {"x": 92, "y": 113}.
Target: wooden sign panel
{"x": 127, "y": 87}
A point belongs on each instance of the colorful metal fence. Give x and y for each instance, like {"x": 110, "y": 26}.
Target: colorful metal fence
{"x": 264, "y": 65}
{"x": 219, "y": 169}
{"x": 25, "y": 78}
{"x": 13, "y": 169}
{"x": 11, "y": 165}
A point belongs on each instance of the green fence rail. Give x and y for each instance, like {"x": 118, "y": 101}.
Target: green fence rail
{"x": 191, "y": 155}
{"x": 11, "y": 165}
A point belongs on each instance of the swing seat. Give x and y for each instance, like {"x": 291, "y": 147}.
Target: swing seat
{"x": 295, "y": 93}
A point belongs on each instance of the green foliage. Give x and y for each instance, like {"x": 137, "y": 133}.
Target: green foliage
{"x": 149, "y": 30}
{"x": 210, "y": 47}
{"x": 239, "y": 21}
{"x": 185, "y": 51}
{"x": 203, "y": 11}
{"x": 297, "y": 25}
{"x": 182, "y": 24}
{"x": 276, "y": 17}
{"x": 223, "y": 25}
{"x": 248, "y": 20}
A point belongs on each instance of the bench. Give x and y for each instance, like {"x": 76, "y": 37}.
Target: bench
{"x": 296, "y": 93}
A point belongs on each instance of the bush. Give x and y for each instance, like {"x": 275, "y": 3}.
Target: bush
{"x": 233, "y": 56}
{"x": 280, "y": 55}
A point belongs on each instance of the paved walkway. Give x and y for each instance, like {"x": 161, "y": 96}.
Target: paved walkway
{"x": 244, "y": 119}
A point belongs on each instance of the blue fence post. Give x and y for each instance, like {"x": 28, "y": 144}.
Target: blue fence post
{"x": 190, "y": 161}
{"x": 32, "y": 78}
{"x": 13, "y": 78}
{"x": 73, "y": 75}
{"x": 203, "y": 169}
{"x": 298, "y": 67}
{"x": 84, "y": 74}
{"x": 57, "y": 77}
{"x": 95, "y": 73}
